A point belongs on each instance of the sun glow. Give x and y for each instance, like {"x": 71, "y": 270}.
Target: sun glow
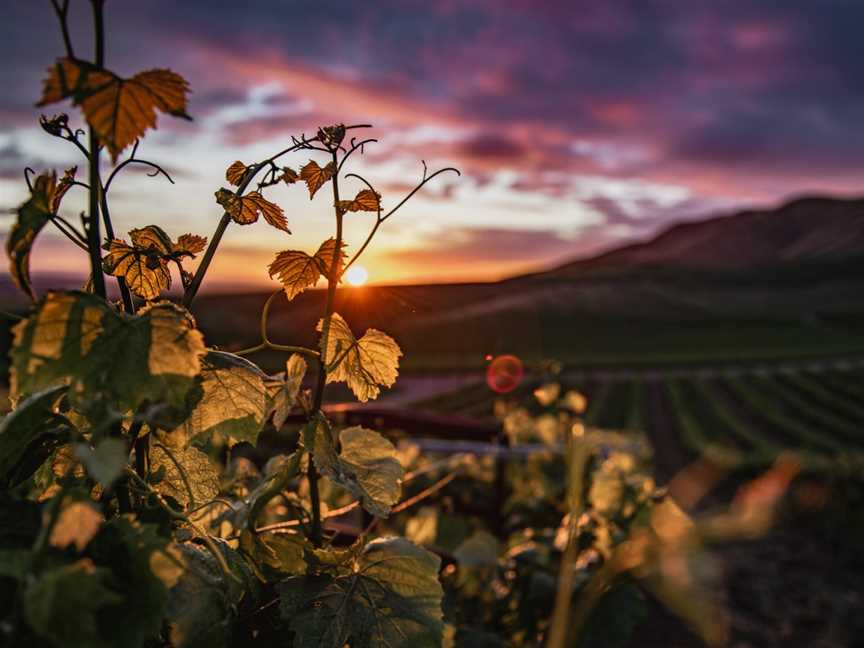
{"x": 356, "y": 275}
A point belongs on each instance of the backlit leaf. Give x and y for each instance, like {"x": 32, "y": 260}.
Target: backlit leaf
{"x": 283, "y": 393}
{"x": 391, "y": 597}
{"x": 190, "y": 244}
{"x": 289, "y": 175}
{"x": 315, "y": 176}
{"x": 43, "y": 203}
{"x": 365, "y": 364}
{"x": 189, "y": 476}
{"x": 144, "y": 264}
{"x": 233, "y": 403}
{"x": 119, "y": 110}
{"x": 298, "y": 271}
{"x": 62, "y": 604}
{"x": 145, "y": 271}
{"x": 244, "y": 210}
{"x": 236, "y": 172}
{"x": 104, "y": 354}
{"x": 366, "y": 200}
{"x": 366, "y": 465}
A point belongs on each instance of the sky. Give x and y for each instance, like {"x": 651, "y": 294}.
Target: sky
{"x": 578, "y": 125}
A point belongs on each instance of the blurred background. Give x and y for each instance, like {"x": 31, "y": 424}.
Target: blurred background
{"x": 659, "y": 207}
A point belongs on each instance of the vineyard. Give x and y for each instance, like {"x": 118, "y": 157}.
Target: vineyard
{"x": 746, "y": 419}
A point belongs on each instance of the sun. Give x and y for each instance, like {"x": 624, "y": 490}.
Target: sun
{"x": 356, "y": 275}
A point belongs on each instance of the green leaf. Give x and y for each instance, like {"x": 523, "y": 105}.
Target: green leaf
{"x": 366, "y": 464}
{"x": 276, "y": 554}
{"x": 33, "y": 215}
{"x": 392, "y": 597}
{"x": 104, "y": 463}
{"x": 29, "y": 434}
{"x": 189, "y": 477}
{"x": 107, "y": 356}
{"x": 127, "y": 548}
{"x": 61, "y": 605}
{"x": 233, "y": 403}
{"x": 202, "y": 606}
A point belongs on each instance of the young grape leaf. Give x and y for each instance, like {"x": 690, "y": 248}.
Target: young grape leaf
{"x": 365, "y": 465}
{"x": 392, "y": 597}
{"x": 283, "y": 391}
{"x": 144, "y": 264}
{"x": 315, "y": 176}
{"x": 43, "y": 203}
{"x": 189, "y": 477}
{"x": 331, "y": 136}
{"x": 233, "y": 403}
{"x": 366, "y": 200}
{"x": 365, "y": 364}
{"x": 77, "y": 523}
{"x": 106, "y": 355}
{"x": 145, "y": 271}
{"x": 289, "y": 175}
{"x": 119, "y": 110}
{"x": 298, "y": 271}
{"x": 62, "y": 604}
{"x": 236, "y": 172}
{"x": 244, "y": 210}
{"x": 190, "y": 244}
{"x": 31, "y": 431}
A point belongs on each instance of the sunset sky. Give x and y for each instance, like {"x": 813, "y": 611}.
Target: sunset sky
{"x": 578, "y": 124}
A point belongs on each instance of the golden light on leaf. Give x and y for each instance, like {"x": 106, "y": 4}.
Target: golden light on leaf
{"x": 119, "y": 110}
{"x": 356, "y": 275}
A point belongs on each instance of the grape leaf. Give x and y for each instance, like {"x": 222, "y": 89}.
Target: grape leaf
{"x": 366, "y": 464}
{"x": 127, "y": 547}
{"x": 106, "y": 461}
{"x": 366, "y": 200}
{"x": 43, "y": 203}
{"x": 77, "y": 523}
{"x": 189, "y": 476}
{"x": 144, "y": 270}
{"x": 392, "y": 597}
{"x": 244, "y": 210}
{"x": 190, "y": 244}
{"x": 236, "y": 172}
{"x": 233, "y": 403}
{"x": 21, "y": 430}
{"x": 277, "y": 555}
{"x": 289, "y": 175}
{"x": 62, "y": 604}
{"x": 298, "y": 271}
{"x": 365, "y": 364}
{"x": 119, "y": 110}
{"x": 203, "y": 606}
{"x": 283, "y": 391}
{"x": 144, "y": 264}
{"x": 106, "y": 355}
{"x": 331, "y": 136}
{"x": 315, "y": 176}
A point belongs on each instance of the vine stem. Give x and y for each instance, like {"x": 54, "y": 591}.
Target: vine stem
{"x": 93, "y": 236}
{"x": 332, "y": 281}
{"x": 201, "y": 270}
{"x": 266, "y": 343}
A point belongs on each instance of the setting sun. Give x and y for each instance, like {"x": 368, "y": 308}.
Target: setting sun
{"x": 356, "y": 275}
